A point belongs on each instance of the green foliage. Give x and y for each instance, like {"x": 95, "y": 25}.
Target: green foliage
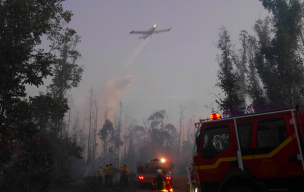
{"x": 157, "y": 119}
{"x": 159, "y": 135}
{"x": 275, "y": 73}
{"x": 227, "y": 79}
{"x": 104, "y": 134}
{"x": 64, "y": 152}
{"x": 106, "y": 130}
{"x": 67, "y": 73}
{"x": 31, "y": 165}
{"x": 279, "y": 61}
{"x": 22, "y": 23}
{"x": 45, "y": 110}
{"x": 171, "y": 141}
{"x": 29, "y": 127}
{"x": 254, "y": 88}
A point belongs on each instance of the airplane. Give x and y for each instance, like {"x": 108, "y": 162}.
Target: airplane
{"x": 149, "y": 32}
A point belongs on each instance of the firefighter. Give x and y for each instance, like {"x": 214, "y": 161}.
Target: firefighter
{"x": 100, "y": 175}
{"x": 160, "y": 183}
{"x": 121, "y": 179}
{"x": 110, "y": 174}
{"x": 106, "y": 172}
{"x": 127, "y": 175}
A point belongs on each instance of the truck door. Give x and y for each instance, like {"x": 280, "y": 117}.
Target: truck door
{"x": 273, "y": 147}
{"x": 218, "y": 151}
{"x": 245, "y": 128}
{"x": 299, "y": 116}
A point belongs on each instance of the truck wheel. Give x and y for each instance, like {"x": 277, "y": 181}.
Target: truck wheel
{"x": 240, "y": 189}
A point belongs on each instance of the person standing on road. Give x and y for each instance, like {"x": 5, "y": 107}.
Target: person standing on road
{"x": 160, "y": 183}
{"x": 100, "y": 175}
{"x": 127, "y": 175}
{"x": 121, "y": 179}
{"x": 110, "y": 174}
{"x": 106, "y": 172}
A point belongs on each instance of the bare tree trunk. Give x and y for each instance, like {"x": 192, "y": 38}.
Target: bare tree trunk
{"x": 105, "y": 141}
{"x": 95, "y": 130}
{"x": 125, "y": 137}
{"x": 83, "y": 133}
{"x": 90, "y": 127}
{"x": 71, "y": 106}
{"x": 121, "y": 110}
{"x": 75, "y": 128}
{"x": 181, "y": 116}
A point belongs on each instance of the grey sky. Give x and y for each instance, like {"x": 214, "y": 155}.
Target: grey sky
{"x": 175, "y": 67}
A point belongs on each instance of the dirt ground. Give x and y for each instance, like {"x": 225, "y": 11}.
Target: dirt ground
{"x": 179, "y": 184}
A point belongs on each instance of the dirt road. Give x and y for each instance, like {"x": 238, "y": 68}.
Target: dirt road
{"x": 179, "y": 184}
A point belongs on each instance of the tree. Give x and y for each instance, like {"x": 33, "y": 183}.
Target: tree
{"x": 282, "y": 71}
{"x": 240, "y": 61}
{"x": 67, "y": 73}
{"x": 139, "y": 133}
{"x": 90, "y": 120}
{"x": 117, "y": 139}
{"x": 156, "y": 119}
{"x": 76, "y": 130}
{"x": 104, "y": 135}
{"x": 22, "y": 24}
{"x": 254, "y": 88}
{"x": 45, "y": 110}
{"x": 158, "y": 135}
{"x": 171, "y": 144}
{"x": 181, "y": 117}
{"x": 227, "y": 79}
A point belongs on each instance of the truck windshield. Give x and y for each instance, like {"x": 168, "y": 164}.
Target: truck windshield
{"x": 216, "y": 139}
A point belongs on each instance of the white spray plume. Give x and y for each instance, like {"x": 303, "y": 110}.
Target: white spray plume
{"x": 133, "y": 56}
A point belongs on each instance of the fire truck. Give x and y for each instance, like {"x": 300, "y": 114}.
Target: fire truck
{"x": 251, "y": 153}
{"x": 146, "y": 172}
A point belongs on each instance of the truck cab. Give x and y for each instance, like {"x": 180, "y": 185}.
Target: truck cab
{"x": 146, "y": 172}
{"x": 253, "y": 152}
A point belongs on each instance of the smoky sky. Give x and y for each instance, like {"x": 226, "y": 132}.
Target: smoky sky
{"x": 172, "y": 68}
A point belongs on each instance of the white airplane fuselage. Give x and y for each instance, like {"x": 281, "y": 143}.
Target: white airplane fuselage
{"x": 149, "y": 32}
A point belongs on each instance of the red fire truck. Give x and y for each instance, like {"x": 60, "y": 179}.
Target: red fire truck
{"x": 254, "y": 152}
{"x": 146, "y": 172}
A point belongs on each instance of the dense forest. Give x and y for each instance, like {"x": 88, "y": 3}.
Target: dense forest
{"x": 44, "y": 140}
{"x": 266, "y": 71}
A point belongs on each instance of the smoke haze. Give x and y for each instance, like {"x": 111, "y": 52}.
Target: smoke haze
{"x": 110, "y": 94}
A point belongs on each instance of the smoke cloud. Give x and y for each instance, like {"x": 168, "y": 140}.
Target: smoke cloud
{"x": 107, "y": 98}
{"x": 110, "y": 94}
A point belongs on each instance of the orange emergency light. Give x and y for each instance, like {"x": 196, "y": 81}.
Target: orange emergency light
{"x": 215, "y": 116}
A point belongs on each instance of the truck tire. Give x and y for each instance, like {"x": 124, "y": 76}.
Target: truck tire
{"x": 240, "y": 189}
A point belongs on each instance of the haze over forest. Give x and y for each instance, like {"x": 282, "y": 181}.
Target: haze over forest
{"x": 77, "y": 90}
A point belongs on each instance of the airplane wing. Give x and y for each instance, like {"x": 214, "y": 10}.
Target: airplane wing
{"x": 162, "y": 30}
{"x": 138, "y": 32}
